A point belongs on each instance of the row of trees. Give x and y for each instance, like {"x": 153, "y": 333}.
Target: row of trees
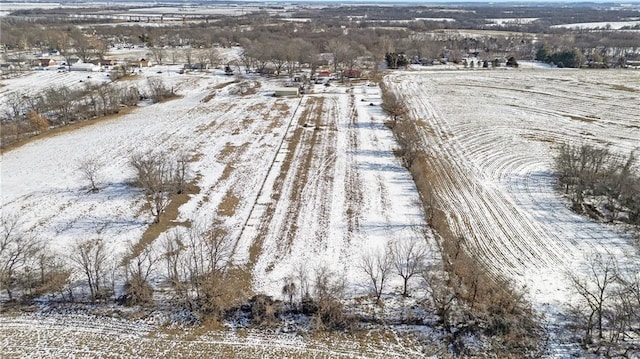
{"x": 29, "y": 114}
{"x": 599, "y": 182}
{"x": 465, "y": 297}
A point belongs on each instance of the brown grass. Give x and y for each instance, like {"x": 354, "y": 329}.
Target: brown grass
{"x": 228, "y": 205}
{"x": 624, "y": 88}
{"x": 582, "y": 118}
{"x": 167, "y": 218}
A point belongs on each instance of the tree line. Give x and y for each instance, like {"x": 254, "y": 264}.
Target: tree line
{"x": 30, "y": 114}
{"x": 468, "y": 299}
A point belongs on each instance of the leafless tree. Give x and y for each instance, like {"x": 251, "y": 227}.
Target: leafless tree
{"x": 160, "y": 177}
{"x": 595, "y": 290}
{"x": 339, "y": 49}
{"x": 392, "y": 104}
{"x": 158, "y": 91}
{"x": 14, "y": 105}
{"x": 328, "y": 292}
{"x": 213, "y": 57}
{"x": 289, "y": 289}
{"x": 62, "y": 101}
{"x": 139, "y": 264}
{"x": 158, "y": 53}
{"x": 172, "y": 249}
{"x": 378, "y": 266}
{"x": 188, "y": 55}
{"x": 90, "y": 168}
{"x": 408, "y": 257}
{"x": 206, "y": 261}
{"x": 441, "y": 295}
{"x": 17, "y": 250}
{"x": 91, "y": 258}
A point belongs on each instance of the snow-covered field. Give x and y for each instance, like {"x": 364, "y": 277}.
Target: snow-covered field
{"x": 612, "y": 25}
{"x": 492, "y": 136}
{"x": 305, "y": 181}
{"x": 312, "y": 181}
{"x": 88, "y": 335}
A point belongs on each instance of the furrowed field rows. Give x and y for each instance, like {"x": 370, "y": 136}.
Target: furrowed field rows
{"x": 491, "y": 137}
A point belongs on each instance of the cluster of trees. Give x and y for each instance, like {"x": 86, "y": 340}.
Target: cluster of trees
{"x": 29, "y": 114}
{"x": 608, "y": 312}
{"x": 600, "y": 183}
{"x": 562, "y": 58}
{"x": 160, "y": 176}
{"x": 290, "y": 43}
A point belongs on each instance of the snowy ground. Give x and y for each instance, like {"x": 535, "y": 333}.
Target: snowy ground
{"x": 493, "y": 134}
{"x": 297, "y": 181}
{"x": 73, "y": 335}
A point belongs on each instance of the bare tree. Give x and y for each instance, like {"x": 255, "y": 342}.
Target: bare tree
{"x": 206, "y": 261}
{"x": 392, "y": 104}
{"x": 213, "y": 57}
{"x": 158, "y": 91}
{"x": 188, "y": 55}
{"x": 90, "y": 168}
{"x": 172, "y": 249}
{"x": 339, "y": 48}
{"x": 595, "y": 291}
{"x": 408, "y": 258}
{"x": 160, "y": 178}
{"x": 289, "y": 289}
{"x": 91, "y": 258}
{"x": 441, "y": 296}
{"x": 378, "y": 266}
{"x": 14, "y": 105}
{"x": 158, "y": 53}
{"x": 139, "y": 264}
{"x": 328, "y": 291}
{"x": 17, "y": 249}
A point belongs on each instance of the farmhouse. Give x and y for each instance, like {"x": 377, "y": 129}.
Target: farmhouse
{"x": 139, "y": 63}
{"x": 46, "y": 62}
{"x": 287, "y": 91}
{"x": 352, "y": 73}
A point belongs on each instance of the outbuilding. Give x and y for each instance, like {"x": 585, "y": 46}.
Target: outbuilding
{"x": 287, "y": 91}
{"x": 82, "y": 66}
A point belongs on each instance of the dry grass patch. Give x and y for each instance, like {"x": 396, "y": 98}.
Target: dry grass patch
{"x": 167, "y": 219}
{"x": 228, "y": 205}
{"x": 587, "y": 119}
{"x": 624, "y": 88}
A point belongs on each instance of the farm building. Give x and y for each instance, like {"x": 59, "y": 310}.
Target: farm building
{"x": 81, "y": 66}
{"x": 139, "y": 63}
{"x": 324, "y": 73}
{"x": 46, "y": 62}
{"x": 352, "y": 73}
{"x": 287, "y": 91}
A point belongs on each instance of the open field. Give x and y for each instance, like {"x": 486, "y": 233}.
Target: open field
{"x": 89, "y": 336}
{"x": 302, "y": 182}
{"x": 490, "y": 138}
